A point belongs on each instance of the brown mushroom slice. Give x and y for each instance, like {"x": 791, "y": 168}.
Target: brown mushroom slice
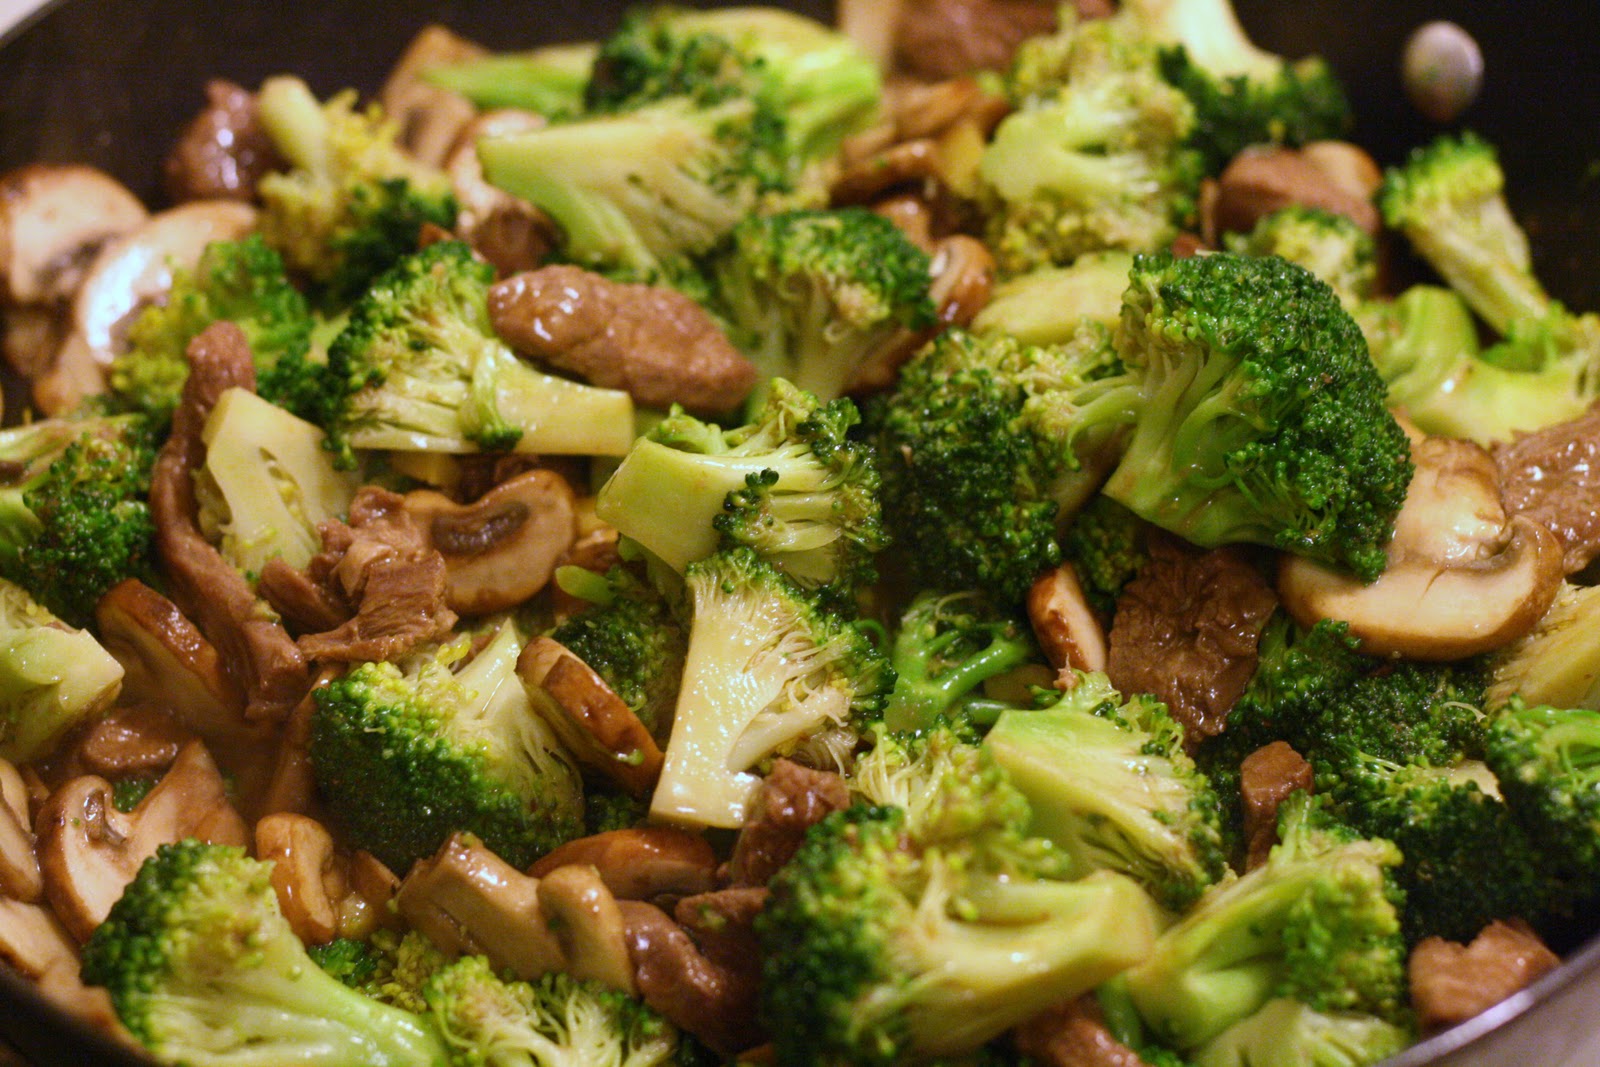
{"x": 508, "y": 231}
{"x": 468, "y": 900}
{"x": 89, "y": 851}
{"x": 1260, "y": 181}
{"x": 31, "y": 336}
{"x": 1063, "y": 622}
{"x": 53, "y": 219}
{"x": 1460, "y": 580}
{"x": 19, "y": 867}
{"x": 640, "y": 862}
{"x": 501, "y": 549}
{"x": 304, "y": 874}
{"x": 601, "y": 731}
{"x": 32, "y": 941}
{"x": 430, "y": 117}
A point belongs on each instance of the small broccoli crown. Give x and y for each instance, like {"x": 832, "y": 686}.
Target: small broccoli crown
{"x": 1331, "y": 246}
{"x": 354, "y": 962}
{"x": 656, "y": 54}
{"x": 203, "y": 968}
{"x": 390, "y": 967}
{"x": 985, "y": 442}
{"x": 635, "y": 643}
{"x": 242, "y": 282}
{"x": 1547, "y": 761}
{"x": 1288, "y": 1027}
{"x": 405, "y": 756}
{"x": 1264, "y": 418}
{"x": 946, "y": 646}
{"x": 1106, "y": 545}
{"x": 948, "y": 787}
{"x": 1318, "y": 922}
{"x": 813, "y": 294}
{"x": 1110, "y": 784}
{"x": 76, "y": 521}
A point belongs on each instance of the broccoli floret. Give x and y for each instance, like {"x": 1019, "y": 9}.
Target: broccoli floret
{"x": 1556, "y": 664}
{"x": 812, "y": 295}
{"x": 633, "y": 640}
{"x": 1110, "y": 784}
{"x": 945, "y": 647}
{"x": 555, "y": 1019}
{"x": 987, "y": 444}
{"x": 242, "y": 282}
{"x": 945, "y": 785}
{"x": 203, "y": 969}
{"x": 790, "y": 484}
{"x": 388, "y": 966}
{"x": 352, "y": 201}
{"x": 1318, "y": 923}
{"x": 51, "y": 677}
{"x": 74, "y": 516}
{"x": 126, "y": 793}
{"x": 817, "y": 82}
{"x": 418, "y": 367}
{"x": 1547, "y": 761}
{"x": 352, "y": 961}
{"x": 1263, "y": 418}
{"x": 1287, "y": 1032}
{"x": 1048, "y": 305}
{"x": 882, "y": 950}
{"x": 407, "y": 754}
{"x": 267, "y": 484}
{"x": 768, "y": 665}
{"x": 549, "y": 80}
{"x": 1466, "y": 862}
{"x": 1331, "y": 246}
{"x": 1107, "y": 546}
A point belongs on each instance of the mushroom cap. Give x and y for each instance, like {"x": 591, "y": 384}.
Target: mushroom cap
{"x": 52, "y": 220}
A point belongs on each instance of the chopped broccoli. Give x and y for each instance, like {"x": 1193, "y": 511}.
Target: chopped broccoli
{"x": 635, "y": 643}
{"x": 987, "y": 444}
{"x": 203, "y": 969}
{"x": 1318, "y": 923}
{"x": 74, "y": 516}
{"x": 790, "y": 484}
{"x": 549, "y": 80}
{"x": 1107, "y": 547}
{"x": 768, "y": 665}
{"x": 1333, "y": 247}
{"x": 418, "y": 367}
{"x": 882, "y": 950}
{"x": 946, "y": 786}
{"x": 1110, "y": 784}
{"x": 242, "y": 282}
{"x": 555, "y": 1020}
{"x": 1547, "y": 761}
{"x": 812, "y": 295}
{"x": 1047, "y": 306}
{"x": 1263, "y": 418}
{"x": 126, "y": 793}
{"x": 1557, "y": 663}
{"x": 1286, "y": 1032}
{"x": 352, "y": 201}
{"x": 51, "y": 678}
{"x": 388, "y": 966}
{"x": 945, "y": 647}
{"x": 406, "y": 755}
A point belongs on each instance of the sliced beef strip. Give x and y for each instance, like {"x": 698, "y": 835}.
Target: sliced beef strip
{"x": 257, "y": 650}
{"x": 224, "y": 151}
{"x": 676, "y": 979}
{"x": 940, "y": 39}
{"x": 722, "y": 924}
{"x": 1553, "y": 477}
{"x": 655, "y": 343}
{"x": 1451, "y": 982}
{"x": 792, "y": 799}
{"x": 1072, "y": 1034}
{"x": 1187, "y": 629}
{"x": 1266, "y": 778}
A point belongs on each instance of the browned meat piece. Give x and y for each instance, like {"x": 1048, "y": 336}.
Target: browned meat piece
{"x": 1073, "y": 1034}
{"x": 303, "y": 603}
{"x": 1260, "y": 181}
{"x": 1186, "y": 630}
{"x": 382, "y": 569}
{"x": 792, "y": 799}
{"x": 657, "y": 344}
{"x": 127, "y": 743}
{"x": 1266, "y": 778}
{"x": 946, "y": 38}
{"x": 722, "y": 923}
{"x": 1553, "y": 477}
{"x": 224, "y": 151}
{"x": 679, "y": 981}
{"x": 258, "y": 652}
{"x": 1451, "y": 983}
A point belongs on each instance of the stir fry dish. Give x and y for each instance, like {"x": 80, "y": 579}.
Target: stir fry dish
{"x": 748, "y": 540}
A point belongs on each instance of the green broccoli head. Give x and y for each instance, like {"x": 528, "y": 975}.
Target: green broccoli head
{"x": 549, "y": 80}
{"x": 1109, "y": 782}
{"x": 74, "y": 516}
{"x": 391, "y": 967}
{"x": 790, "y": 484}
{"x": 1288, "y": 1028}
{"x": 1318, "y": 923}
{"x": 52, "y": 678}
{"x": 768, "y": 666}
{"x": 880, "y": 950}
{"x": 407, "y": 754}
{"x": 987, "y": 444}
{"x": 243, "y": 282}
{"x": 352, "y": 202}
{"x": 1547, "y": 761}
{"x": 811, "y": 295}
{"x": 418, "y": 367}
{"x": 1264, "y": 420}
{"x": 202, "y": 969}
{"x": 1333, "y": 247}
{"x": 1048, "y": 305}
{"x": 1107, "y": 546}
{"x": 946, "y": 785}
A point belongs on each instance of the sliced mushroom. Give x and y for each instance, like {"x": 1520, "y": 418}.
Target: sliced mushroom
{"x": 470, "y": 901}
{"x": 31, "y": 336}
{"x": 641, "y": 862}
{"x": 677, "y": 980}
{"x": 53, "y": 219}
{"x": 503, "y": 548}
{"x": 430, "y": 117}
{"x": 323, "y": 893}
{"x": 1260, "y": 181}
{"x": 32, "y": 941}
{"x": 89, "y": 851}
{"x": 130, "y": 742}
{"x": 1460, "y": 579}
{"x": 1063, "y": 622}
{"x": 601, "y": 731}
{"x": 19, "y": 867}
{"x": 508, "y": 231}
